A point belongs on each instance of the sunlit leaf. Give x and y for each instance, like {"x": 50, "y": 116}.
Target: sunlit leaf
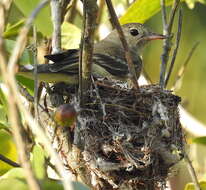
{"x": 70, "y": 36}
{"x": 13, "y": 30}
{"x": 191, "y": 186}
{"x": 8, "y": 149}
{"x": 43, "y": 19}
{"x": 14, "y": 173}
{"x": 142, "y": 10}
{"x": 13, "y": 184}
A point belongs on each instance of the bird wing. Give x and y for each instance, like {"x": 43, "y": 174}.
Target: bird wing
{"x": 68, "y": 62}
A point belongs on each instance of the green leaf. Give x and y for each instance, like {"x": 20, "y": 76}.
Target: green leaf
{"x": 200, "y": 140}
{"x": 38, "y": 162}
{"x": 28, "y": 83}
{"x": 13, "y": 30}
{"x": 13, "y": 184}
{"x": 3, "y": 100}
{"x": 14, "y": 173}
{"x": 71, "y": 36}
{"x": 42, "y": 21}
{"x": 190, "y": 186}
{"x": 3, "y": 118}
{"x": 8, "y": 149}
{"x": 26, "y": 57}
{"x": 142, "y": 10}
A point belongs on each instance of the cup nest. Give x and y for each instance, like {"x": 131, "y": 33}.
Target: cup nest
{"x": 128, "y": 140}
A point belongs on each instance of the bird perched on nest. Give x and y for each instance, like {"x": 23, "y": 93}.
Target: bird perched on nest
{"x": 108, "y": 58}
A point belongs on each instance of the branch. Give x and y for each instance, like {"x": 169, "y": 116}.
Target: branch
{"x": 167, "y": 44}
{"x": 116, "y": 24}
{"x": 87, "y": 42}
{"x": 192, "y": 172}
{"x": 9, "y": 78}
{"x": 56, "y": 13}
{"x": 176, "y": 47}
{"x": 8, "y": 161}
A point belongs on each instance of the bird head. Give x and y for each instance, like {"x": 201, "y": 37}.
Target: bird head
{"x": 136, "y": 34}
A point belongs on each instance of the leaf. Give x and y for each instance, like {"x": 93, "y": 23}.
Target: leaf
{"x": 14, "y": 173}
{"x": 42, "y": 21}
{"x": 13, "y": 30}
{"x": 70, "y": 36}
{"x": 3, "y": 99}
{"x": 3, "y": 118}
{"x": 26, "y": 57}
{"x": 190, "y": 186}
{"x": 8, "y": 149}
{"x": 28, "y": 83}
{"x": 38, "y": 162}
{"x": 200, "y": 140}
{"x": 13, "y": 184}
{"x": 142, "y": 10}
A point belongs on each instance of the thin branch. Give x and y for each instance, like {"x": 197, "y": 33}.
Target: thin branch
{"x": 56, "y": 13}
{"x": 8, "y": 161}
{"x": 184, "y": 66}
{"x": 172, "y": 15}
{"x": 164, "y": 15}
{"x": 35, "y": 72}
{"x": 90, "y": 13}
{"x": 167, "y": 44}
{"x": 192, "y": 172}
{"x": 9, "y": 77}
{"x": 116, "y": 24}
{"x": 176, "y": 47}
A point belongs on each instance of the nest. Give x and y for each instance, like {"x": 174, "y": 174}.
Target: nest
{"x": 129, "y": 140}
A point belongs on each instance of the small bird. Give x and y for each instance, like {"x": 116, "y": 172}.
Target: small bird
{"x": 108, "y": 58}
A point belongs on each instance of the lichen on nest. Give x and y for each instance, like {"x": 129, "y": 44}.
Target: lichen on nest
{"x": 130, "y": 140}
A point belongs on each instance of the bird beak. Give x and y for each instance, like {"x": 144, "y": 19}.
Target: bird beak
{"x": 154, "y": 36}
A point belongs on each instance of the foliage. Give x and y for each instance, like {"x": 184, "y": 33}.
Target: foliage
{"x": 21, "y": 9}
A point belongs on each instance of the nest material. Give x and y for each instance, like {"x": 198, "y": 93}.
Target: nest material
{"x": 128, "y": 140}
{"x": 131, "y": 140}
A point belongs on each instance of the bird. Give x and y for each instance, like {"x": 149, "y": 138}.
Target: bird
{"x": 108, "y": 58}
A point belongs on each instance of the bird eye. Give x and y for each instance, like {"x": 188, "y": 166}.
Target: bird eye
{"x": 134, "y": 32}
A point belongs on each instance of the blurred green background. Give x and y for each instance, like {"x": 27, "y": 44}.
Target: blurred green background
{"x": 193, "y": 89}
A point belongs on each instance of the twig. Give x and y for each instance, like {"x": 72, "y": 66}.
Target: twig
{"x": 56, "y": 19}
{"x": 14, "y": 120}
{"x": 172, "y": 15}
{"x": 8, "y": 161}
{"x": 10, "y": 79}
{"x": 192, "y": 172}
{"x": 184, "y": 66}
{"x": 35, "y": 73}
{"x": 116, "y": 24}
{"x": 90, "y": 13}
{"x": 167, "y": 28}
{"x": 176, "y": 47}
{"x": 164, "y": 15}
